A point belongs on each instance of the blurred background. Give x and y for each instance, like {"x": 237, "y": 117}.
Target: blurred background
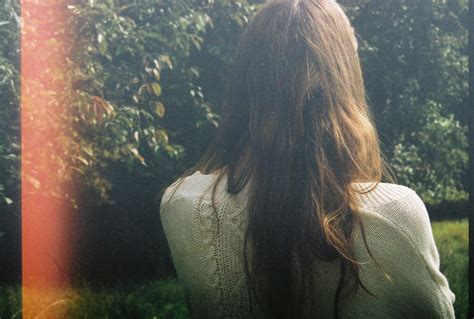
{"x": 148, "y": 78}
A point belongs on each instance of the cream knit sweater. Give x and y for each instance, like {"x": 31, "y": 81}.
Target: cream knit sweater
{"x": 398, "y": 231}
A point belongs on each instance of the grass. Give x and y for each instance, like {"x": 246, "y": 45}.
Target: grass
{"x": 157, "y": 299}
{"x": 165, "y": 298}
{"x": 10, "y": 302}
{"x": 160, "y": 299}
{"x": 452, "y": 238}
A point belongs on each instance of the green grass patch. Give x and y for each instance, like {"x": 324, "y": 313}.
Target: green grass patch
{"x": 165, "y": 298}
{"x": 156, "y": 299}
{"x": 10, "y": 302}
{"x": 160, "y": 299}
{"x": 452, "y": 240}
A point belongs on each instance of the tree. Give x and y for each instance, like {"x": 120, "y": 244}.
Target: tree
{"x": 10, "y": 97}
{"x": 414, "y": 56}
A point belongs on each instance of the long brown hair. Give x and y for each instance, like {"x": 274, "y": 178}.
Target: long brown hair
{"x": 296, "y": 126}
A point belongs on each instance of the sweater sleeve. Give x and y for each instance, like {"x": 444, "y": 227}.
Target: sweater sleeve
{"x": 400, "y": 237}
{"x": 414, "y": 222}
{"x": 176, "y": 215}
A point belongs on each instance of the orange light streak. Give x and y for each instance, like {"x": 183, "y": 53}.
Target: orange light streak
{"x": 46, "y": 208}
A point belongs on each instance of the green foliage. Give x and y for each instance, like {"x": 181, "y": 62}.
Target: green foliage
{"x": 414, "y": 57}
{"x": 157, "y": 299}
{"x": 135, "y": 62}
{"x": 149, "y": 78}
{"x": 434, "y": 171}
{"x": 452, "y": 240}
{"x": 10, "y": 302}
{"x": 10, "y": 97}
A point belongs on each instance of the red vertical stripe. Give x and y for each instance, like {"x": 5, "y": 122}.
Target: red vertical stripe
{"x": 46, "y": 211}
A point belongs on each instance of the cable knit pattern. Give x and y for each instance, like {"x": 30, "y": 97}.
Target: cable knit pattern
{"x": 207, "y": 251}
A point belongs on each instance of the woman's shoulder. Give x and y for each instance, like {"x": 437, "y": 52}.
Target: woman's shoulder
{"x": 390, "y": 200}
{"x": 191, "y": 187}
{"x": 398, "y": 206}
{"x": 377, "y": 194}
{"x": 398, "y": 229}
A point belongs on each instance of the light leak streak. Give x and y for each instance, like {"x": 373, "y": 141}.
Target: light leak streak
{"x": 46, "y": 209}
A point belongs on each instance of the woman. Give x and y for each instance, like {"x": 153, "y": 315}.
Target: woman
{"x": 286, "y": 215}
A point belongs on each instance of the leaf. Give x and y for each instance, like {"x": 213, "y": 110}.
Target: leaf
{"x": 77, "y": 170}
{"x": 34, "y": 181}
{"x": 137, "y": 155}
{"x": 197, "y": 41}
{"x": 88, "y": 150}
{"x": 83, "y": 160}
{"x": 103, "y": 47}
{"x": 156, "y": 73}
{"x": 194, "y": 71}
{"x": 166, "y": 60}
{"x": 7, "y": 200}
{"x": 141, "y": 89}
{"x": 162, "y": 135}
{"x": 159, "y": 109}
{"x": 156, "y": 88}
{"x": 171, "y": 150}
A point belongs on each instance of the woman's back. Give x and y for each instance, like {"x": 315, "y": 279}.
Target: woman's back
{"x": 208, "y": 255}
{"x": 295, "y": 141}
